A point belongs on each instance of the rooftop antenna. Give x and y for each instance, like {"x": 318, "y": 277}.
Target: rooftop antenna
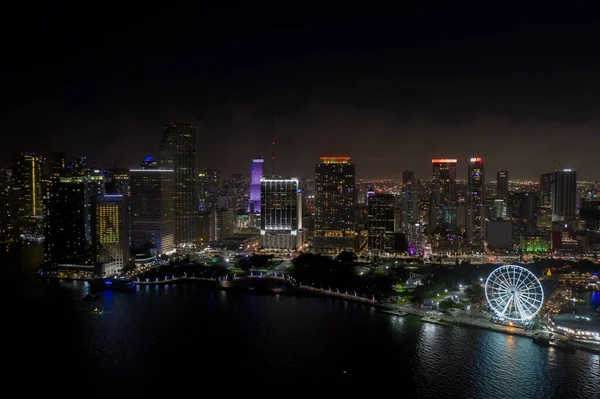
{"x": 273, "y": 159}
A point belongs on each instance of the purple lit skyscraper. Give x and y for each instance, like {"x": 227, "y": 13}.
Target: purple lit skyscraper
{"x": 257, "y": 174}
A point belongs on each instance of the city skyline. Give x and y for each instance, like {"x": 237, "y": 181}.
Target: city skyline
{"x": 461, "y": 171}
{"x": 391, "y": 92}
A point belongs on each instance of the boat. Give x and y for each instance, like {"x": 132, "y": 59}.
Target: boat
{"x": 542, "y": 338}
{"x": 113, "y": 283}
{"x": 432, "y": 318}
{"x": 395, "y": 312}
{"x": 97, "y": 311}
{"x": 561, "y": 344}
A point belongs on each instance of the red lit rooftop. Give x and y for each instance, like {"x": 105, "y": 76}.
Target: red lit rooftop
{"x": 443, "y": 160}
{"x": 343, "y": 159}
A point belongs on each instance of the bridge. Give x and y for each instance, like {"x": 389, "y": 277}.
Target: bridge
{"x": 167, "y": 280}
{"x": 226, "y": 282}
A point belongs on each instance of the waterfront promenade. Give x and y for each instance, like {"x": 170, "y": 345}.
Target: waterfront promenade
{"x": 225, "y": 283}
{"x": 473, "y": 321}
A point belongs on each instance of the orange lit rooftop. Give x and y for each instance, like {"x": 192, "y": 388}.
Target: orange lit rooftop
{"x": 443, "y": 160}
{"x": 341, "y": 159}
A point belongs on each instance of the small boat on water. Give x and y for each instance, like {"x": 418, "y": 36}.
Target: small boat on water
{"x": 97, "y": 311}
{"x": 395, "y": 312}
{"x": 433, "y": 318}
{"x": 542, "y": 338}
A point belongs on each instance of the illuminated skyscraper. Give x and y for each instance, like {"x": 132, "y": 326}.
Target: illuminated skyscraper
{"x": 502, "y": 185}
{"x": 117, "y": 181}
{"x": 411, "y": 216}
{"x": 209, "y": 184}
{"x": 110, "y": 233}
{"x": 7, "y": 227}
{"x": 335, "y": 197}
{"x": 281, "y": 213}
{"x": 149, "y": 163}
{"x": 442, "y": 208}
{"x": 370, "y": 194}
{"x": 381, "y": 223}
{"x": 564, "y": 195}
{"x": 58, "y": 164}
{"x": 544, "y": 211}
{"x": 255, "y": 185}
{"x": 27, "y": 184}
{"x": 546, "y": 189}
{"x": 178, "y": 152}
{"x": 152, "y": 209}
{"x": 475, "y": 202}
{"x": 240, "y": 186}
{"x": 67, "y": 227}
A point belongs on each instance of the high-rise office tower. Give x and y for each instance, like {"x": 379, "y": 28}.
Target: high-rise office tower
{"x": 442, "y": 214}
{"x": 149, "y": 163}
{"x": 27, "y": 184}
{"x": 240, "y": 184}
{"x": 58, "y": 164}
{"x": 96, "y": 183}
{"x": 500, "y": 209}
{"x": 544, "y": 211}
{"x": 116, "y": 181}
{"x": 523, "y": 214}
{"x": 475, "y": 202}
{"x": 67, "y": 224}
{"x": 178, "y": 152}
{"x": 408, "y": 176}
{"x": 335, "y": 198}
{"x": 209, "y": 184}
{"x": 564, "y": 195}
{"x": 281, "y": 213}
{"x": 27, "y": 179}
{"x": 222, "y": 223}
{"x": 370, "y": 193}
{"x": 152, "y": 214}
{"x": 381, "y": 223}
{"x": 7, "y": 228}
{"x": 502, "y": 184}
{"x": 255, "y": 185}
{"x": 79, "y": 167}
{"x": 110, "y": 233}
{"x": 590, "y": 215}
{"x": 411, "y": 216}
{"x": 545, "y": 193}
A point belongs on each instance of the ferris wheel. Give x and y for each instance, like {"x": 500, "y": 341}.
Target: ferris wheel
{"x": 514, "y": 293}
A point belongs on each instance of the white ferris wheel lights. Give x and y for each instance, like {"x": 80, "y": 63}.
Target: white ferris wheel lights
{"x": 514, "y": 293}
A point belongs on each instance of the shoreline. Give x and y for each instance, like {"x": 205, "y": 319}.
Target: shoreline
{"x": 390, "y": 309}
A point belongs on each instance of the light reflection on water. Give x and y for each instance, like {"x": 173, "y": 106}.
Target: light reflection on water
{"x": 317, "y": 340}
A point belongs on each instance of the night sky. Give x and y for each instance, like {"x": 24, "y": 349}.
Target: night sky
{"x": 519, "y": 87}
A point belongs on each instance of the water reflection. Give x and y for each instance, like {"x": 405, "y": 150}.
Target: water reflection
{"x": 145, "y": 334}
